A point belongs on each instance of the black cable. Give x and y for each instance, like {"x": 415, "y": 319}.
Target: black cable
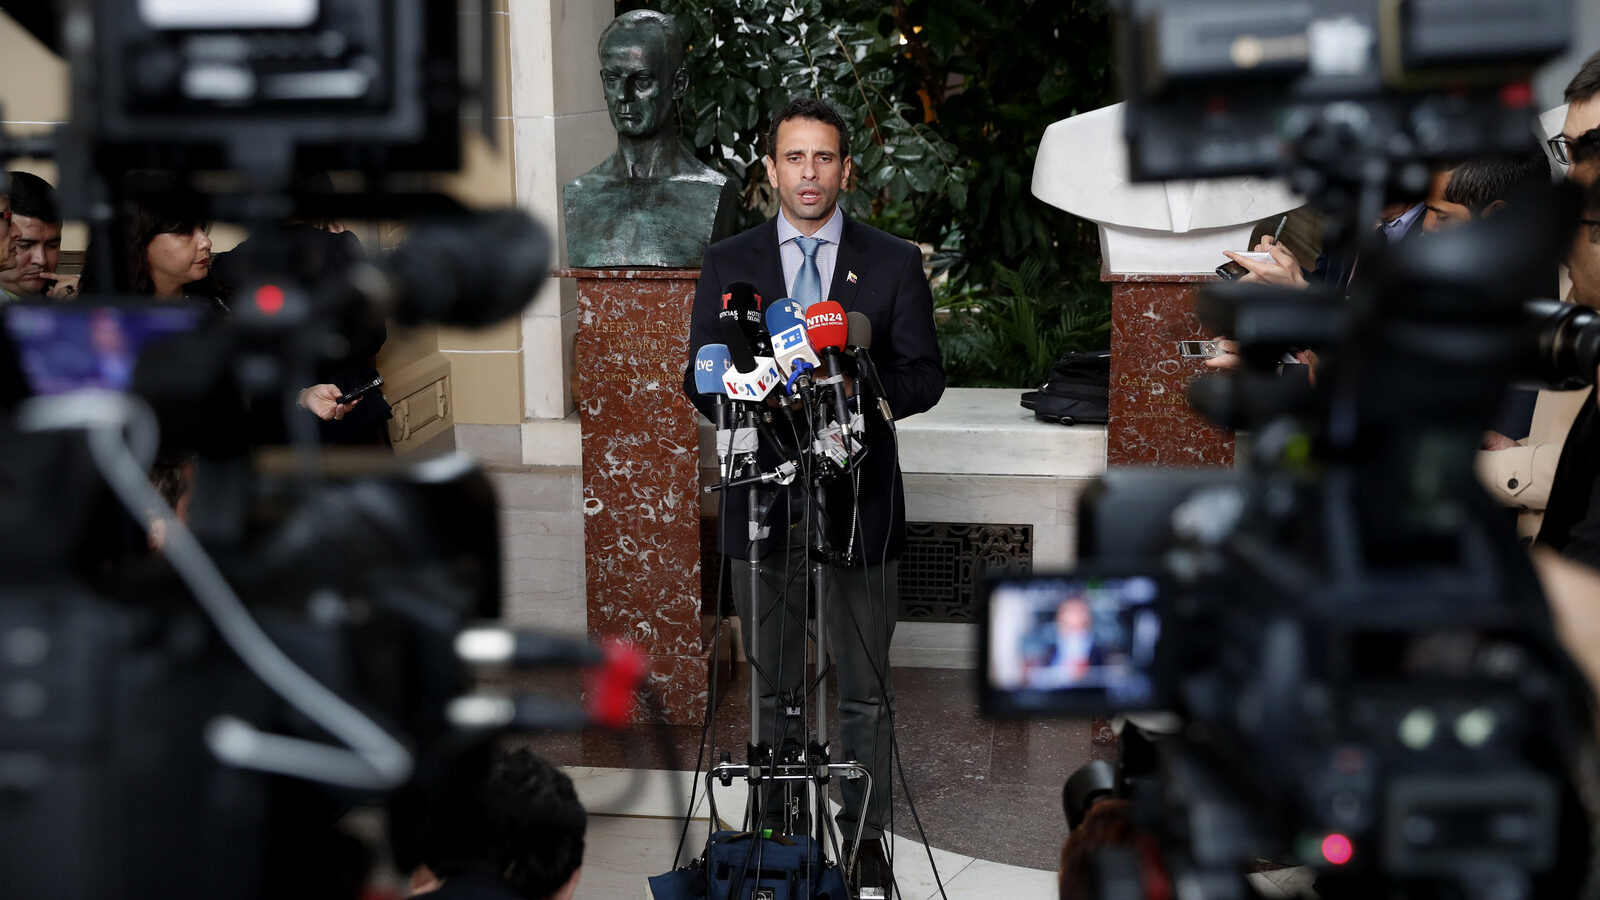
{"x": 726, "y": 474}
{"x": 883, "y": 688}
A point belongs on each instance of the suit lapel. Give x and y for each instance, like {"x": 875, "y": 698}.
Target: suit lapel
{"x": 850, "y": 266}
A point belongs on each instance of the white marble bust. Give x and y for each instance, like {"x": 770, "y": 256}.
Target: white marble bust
{"x": 1170, "y": 227}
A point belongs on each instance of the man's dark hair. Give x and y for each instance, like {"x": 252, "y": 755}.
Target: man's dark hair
{"x": 1585, "y": 148}
{"x": 33, "y": 197}
{"x": 525, "y": 826}
{"x": 1477, "y": 183}
{"x": 816, "y": 110}
{"x": 1586, "y": 84}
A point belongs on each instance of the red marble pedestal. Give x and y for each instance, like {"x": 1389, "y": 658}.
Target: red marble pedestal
{"x": 1150, "y": 420}
{"x": 641, "y": 475}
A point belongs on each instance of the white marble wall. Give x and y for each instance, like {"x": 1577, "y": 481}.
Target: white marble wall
{"x": 559, "y": 130}
{"x": 541, "y": 539}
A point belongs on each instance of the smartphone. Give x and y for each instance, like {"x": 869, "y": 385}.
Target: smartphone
{"x": 1200, "y": 349}
{"x": 1072, "y": 645}
{"x": 374, "y": 384}
{"x": 1231, "y": 269}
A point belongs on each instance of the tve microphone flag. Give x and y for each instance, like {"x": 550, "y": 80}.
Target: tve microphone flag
{"x": 709, "y": 364}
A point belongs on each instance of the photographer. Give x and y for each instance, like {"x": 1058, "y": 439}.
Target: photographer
{"x": 1571, "y": 521}
{"x": 1519, "y": 473}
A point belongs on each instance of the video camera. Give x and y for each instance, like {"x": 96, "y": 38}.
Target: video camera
{"x": 194, "y": 724}
{"x": 1362, "y": 669}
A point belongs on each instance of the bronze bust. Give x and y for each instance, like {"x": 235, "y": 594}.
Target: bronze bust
{"x": 651, "y": 203}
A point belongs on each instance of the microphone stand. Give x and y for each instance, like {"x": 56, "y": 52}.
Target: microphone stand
{"x": 763, "y": 765}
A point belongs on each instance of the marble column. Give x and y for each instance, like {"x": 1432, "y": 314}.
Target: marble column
{"x": 1150, "y": 422}
{"x": 641, "y": 475}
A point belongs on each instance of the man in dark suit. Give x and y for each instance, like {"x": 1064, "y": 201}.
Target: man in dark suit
{"x": 813, "y": 251}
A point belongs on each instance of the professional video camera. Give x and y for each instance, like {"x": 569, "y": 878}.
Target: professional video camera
{"x": 1362, "y": 669}
{"x": 193, "y": 725}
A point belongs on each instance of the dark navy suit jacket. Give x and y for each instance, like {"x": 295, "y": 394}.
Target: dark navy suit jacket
{"x": 880, "y": 276}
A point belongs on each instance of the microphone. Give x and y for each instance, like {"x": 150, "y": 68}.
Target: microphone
{"x": 453, "y": 281}
{"x": 859, "y": 330}
{"x": 741, "y": 298}
{"x": 735, "y": 341}
{"x": 711, "y": 365}
{"x": 750, "y": 377}
{"x": 825, "y": 325}
{"x": 860, "y": 339}
{"x": 790, "y": 345}
{"x": 754, "y": 373}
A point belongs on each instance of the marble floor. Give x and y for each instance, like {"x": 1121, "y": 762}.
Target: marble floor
{"x": 983, "y": 795}
{"x": 987, "y": 794}
{"x": 986, "y": 790}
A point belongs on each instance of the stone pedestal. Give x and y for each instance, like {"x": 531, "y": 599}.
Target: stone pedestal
{"x": 641, "y": 474}
{"x": 1151, "y": 423}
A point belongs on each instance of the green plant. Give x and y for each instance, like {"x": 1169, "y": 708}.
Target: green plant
{"x": 1008, "y": 333}
{"x": 747, "y": 58}
{"x": 947, "y": 100}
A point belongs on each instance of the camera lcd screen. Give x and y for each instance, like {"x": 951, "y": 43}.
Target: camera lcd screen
{"x": 67, "y": 347}
{"x": 1071, "y": 645}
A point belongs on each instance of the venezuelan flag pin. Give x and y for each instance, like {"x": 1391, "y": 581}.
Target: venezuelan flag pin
{"x": 850, "y": 277}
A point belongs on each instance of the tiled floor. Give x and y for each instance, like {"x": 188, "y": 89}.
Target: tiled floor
{"x": 982, "y": 789}
{"x": 630, "y": 837}
{"x": 987, "y": 793}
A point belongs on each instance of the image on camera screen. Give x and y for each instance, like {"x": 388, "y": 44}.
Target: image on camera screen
{"x": 1071, "y": 645}
{"x": 69, "y": 347}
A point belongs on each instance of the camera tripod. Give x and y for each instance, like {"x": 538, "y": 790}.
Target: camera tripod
{"x": 788, "y": 777}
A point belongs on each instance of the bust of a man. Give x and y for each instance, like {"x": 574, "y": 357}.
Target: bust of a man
{"x": 651, "y": 203}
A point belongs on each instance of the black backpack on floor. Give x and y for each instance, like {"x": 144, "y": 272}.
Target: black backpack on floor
{"x": 1077, "y": 392}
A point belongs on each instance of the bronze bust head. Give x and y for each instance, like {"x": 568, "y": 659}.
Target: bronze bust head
{"x": 651, "y": 203}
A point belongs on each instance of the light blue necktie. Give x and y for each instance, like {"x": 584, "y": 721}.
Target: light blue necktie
{"x": 808, "y": 281}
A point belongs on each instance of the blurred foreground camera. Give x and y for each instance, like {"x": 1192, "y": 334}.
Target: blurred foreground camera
{"x": 1363, "y": 671}
{"x": 196, "y": 722}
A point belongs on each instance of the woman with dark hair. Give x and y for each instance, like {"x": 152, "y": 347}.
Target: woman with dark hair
{"x": 169, "y": 257}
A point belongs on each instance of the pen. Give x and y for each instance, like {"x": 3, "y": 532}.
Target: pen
{"x": 1279, "y": 233}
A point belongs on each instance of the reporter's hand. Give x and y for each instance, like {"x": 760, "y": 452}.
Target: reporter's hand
{"x": 1230, "y": 358}
{"x": 1308, "y": 358}
{"x": 1283, "y": 271}
{"x": 323, "y": 401}
{"x": 1494, "y": 440}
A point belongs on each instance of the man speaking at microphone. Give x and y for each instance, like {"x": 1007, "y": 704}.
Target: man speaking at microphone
{"x": 811, "y": 251}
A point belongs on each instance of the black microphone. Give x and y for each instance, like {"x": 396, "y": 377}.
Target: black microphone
{"x": 742, "y": 298}
{"x": 733, "y": 334}
{"x": 860, "y": 339}
{"x": 469, "y": 270}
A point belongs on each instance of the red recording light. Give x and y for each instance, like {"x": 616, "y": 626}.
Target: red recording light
{"x": 269, "y": 299}
{"x": 1517, "y": 95}
{"x": 1336, "y": 849}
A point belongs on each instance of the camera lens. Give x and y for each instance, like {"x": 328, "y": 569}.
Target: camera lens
{"x": 1563, "y": 344}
